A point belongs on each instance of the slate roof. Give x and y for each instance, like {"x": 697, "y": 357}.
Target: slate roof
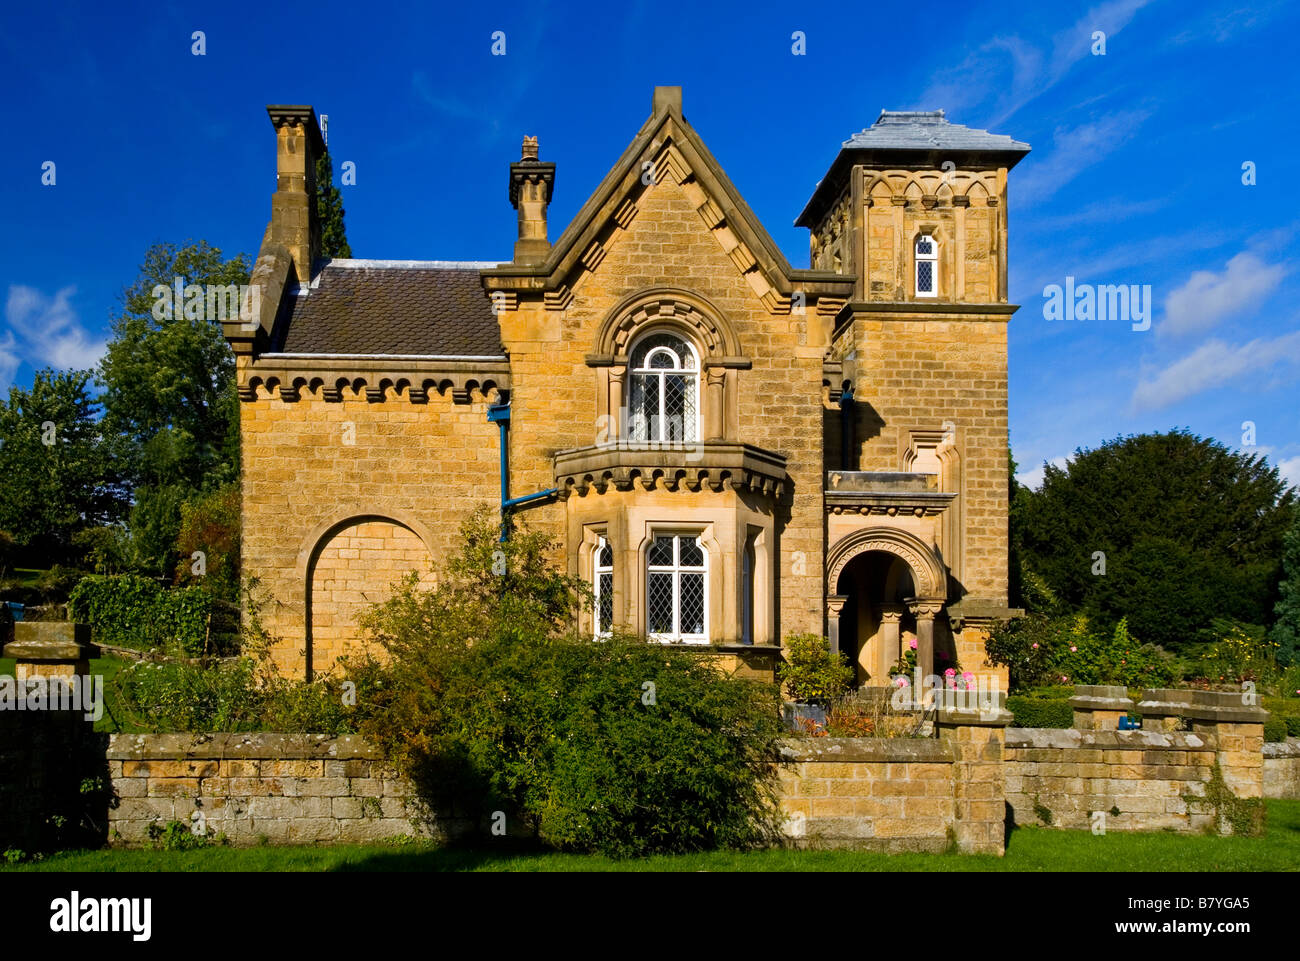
{"x": 927, "y": 130}
{"x": 436, "y": 308}
{"x": 922, "y": 137}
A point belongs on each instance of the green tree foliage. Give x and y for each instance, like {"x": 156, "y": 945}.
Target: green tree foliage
{"x": 329, "y": 210}
{"x": 618, "y": 746}
{"x": 1286, "y": 628}
{"x": 58, "y": 468}
{"x": 1190, "y": 530}
{"x": 210, "y": 529}
{"x": 169, "y": 392}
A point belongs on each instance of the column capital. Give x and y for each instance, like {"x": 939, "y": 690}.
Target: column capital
{"x": 924, "y": 608}
{"x": 835, "y": 604}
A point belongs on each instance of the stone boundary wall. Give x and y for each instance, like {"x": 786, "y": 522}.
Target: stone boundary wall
{"x": 288, "y": 789}
{"x": 1282, "y": 769}
{"x": 1143, "y": 774}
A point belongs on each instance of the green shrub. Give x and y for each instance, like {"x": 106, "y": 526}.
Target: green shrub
{"x": 1040, "y": 650}
{"x": 1292, "y": 723}
{"x": 1040, "y": 712}
{"x": 618, "y": 746}
{"x": 1275, "y": 729}
{"x": 132, "y": 611}
{"x": 1237, "y": 652}
{"x": 809, "y": 672}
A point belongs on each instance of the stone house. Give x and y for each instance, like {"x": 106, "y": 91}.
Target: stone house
{"x": 729, "y": 449}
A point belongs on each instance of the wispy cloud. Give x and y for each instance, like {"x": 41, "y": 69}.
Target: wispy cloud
{"x": 1214, "y": 364}
{"x": 45, "y": 330}
{"x": 1074, "y": 150}
{"x": 1010, "y": 71}
{"x": 1290, "y": 470}
{"x": 1222, "y": 25}
{"x": 1209, "y": 297}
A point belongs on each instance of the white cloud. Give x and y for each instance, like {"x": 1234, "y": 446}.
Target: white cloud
{"x": 1214, "y": 364}
{"x": 9, "y": 361}
{"x": 1075, "y": 149}
{"x": 1290, "y": 469}
{"x": 48, "y": 331}
{"x": 1016, "y": 71}
{"x": 1209, "y": 297}
{"x": 1034, "y": 478}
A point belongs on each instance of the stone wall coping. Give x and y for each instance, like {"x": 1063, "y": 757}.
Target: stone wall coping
{"x": 1283, "y": 749}
{"x": 50, "y": 641}
{"x": 251, "y": 746}
{"x": 1221, "y": 706}
{"x": 1037, "y": 737}
{"x": 1101, "y": 697}
{"x": 867, "y": 749}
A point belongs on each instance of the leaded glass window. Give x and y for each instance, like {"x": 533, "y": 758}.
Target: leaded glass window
{"x": 603, "y": 579}
{"x": 676, "y": 593}
{"x": 927, "y": 266}
{"x": 663, "y": 401}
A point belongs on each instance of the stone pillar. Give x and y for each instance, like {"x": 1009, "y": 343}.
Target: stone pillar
{"x": 978, "y": 739}
{"x": 834, "y": 604}
{"x": 617, "y": 374}
{"x": 50, "y": 649}
{"x": 889, "y": 651}
{"x": 1232, "y": 721}
{"x": 1098, "y": 707}
{"x": 714, "y": 414}
{"x": 925, "y": 612}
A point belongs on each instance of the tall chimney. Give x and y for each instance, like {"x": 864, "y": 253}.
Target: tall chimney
{"x": 531, "y": 182}
{"x": 298, "y": 142}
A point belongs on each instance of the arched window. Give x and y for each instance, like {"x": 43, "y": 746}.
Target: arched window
{"x": 927, "y": 266}
{"x": 603, "y": 583}
{"x": 676, "y": 586}
{"x": 663, "y": 401}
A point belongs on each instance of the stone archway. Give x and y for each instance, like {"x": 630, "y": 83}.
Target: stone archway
{"x": 351, "y": 565}
{"x": 927, "y": 596}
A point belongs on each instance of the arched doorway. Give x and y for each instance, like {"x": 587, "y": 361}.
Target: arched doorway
{"x": 885, "y": 587}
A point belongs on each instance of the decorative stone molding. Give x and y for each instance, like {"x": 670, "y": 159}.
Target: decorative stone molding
{"x": 887, "y": 493}
{"x": 378, "y": 377}
{"x": 693, "y": 314}
{"x": 928, "y": 575}
{"x": 707, "y": 465}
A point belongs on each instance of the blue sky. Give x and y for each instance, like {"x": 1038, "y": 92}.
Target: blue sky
{"x": 1135, "y": 177}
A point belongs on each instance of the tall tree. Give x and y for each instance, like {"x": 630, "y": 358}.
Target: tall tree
{"x": 58, "y": 469}
{"x": 1169, "y": 529}
{"x": 1286, "y": 629}
{"x": 329, "y": 209}
{"x": 169, "y": 391}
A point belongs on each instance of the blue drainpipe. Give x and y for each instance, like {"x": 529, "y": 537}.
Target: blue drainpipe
{"x": 500, "y": 415}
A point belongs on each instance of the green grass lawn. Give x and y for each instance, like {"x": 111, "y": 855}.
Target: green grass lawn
{"x": 108, "y": 667}
{"x": 1030, "y": 849}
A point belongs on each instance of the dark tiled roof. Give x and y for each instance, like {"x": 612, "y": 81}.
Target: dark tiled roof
{"x": 927, "y": 130}
{"x": 393, "y": 307}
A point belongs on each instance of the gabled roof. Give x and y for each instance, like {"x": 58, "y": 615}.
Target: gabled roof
{"x": 669, "y": 142}
{"x": 391, "y": 307}
{"x": 911, "y": 138}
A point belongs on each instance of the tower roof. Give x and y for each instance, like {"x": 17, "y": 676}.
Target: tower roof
{"x": 911, "y": 138}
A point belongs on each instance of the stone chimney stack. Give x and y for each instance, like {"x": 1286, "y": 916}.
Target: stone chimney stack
{"x": 531, "y": 182}
{"x": 298, "y": 144}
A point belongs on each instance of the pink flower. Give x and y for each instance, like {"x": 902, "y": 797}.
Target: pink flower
{"x": 1064, "y": 678}
{"x": 901, "y": 682}
{"x": 1073, "y": 648}
{"x": 1035, "y": 645}
{"x": 968, "y": 675}
{"x": 949, "y": 673}
{"x": 912, "y": 644}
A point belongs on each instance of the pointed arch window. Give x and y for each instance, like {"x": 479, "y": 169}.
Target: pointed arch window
{"x": 663, "y": 402}
{"x": 927, "y": 266}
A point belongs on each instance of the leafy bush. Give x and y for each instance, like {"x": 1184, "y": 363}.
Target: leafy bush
{"x": 1292, "y": 723}
{"x": 810, "y": 673}
{"x": 1040, "y": 712}
{"x": 617, "y": 746}
{"x": 132, "y": 611}
{"x": 1065, "y": 650}
{"x": 210, "y": 527}
{"x": 1275, "y": 729}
